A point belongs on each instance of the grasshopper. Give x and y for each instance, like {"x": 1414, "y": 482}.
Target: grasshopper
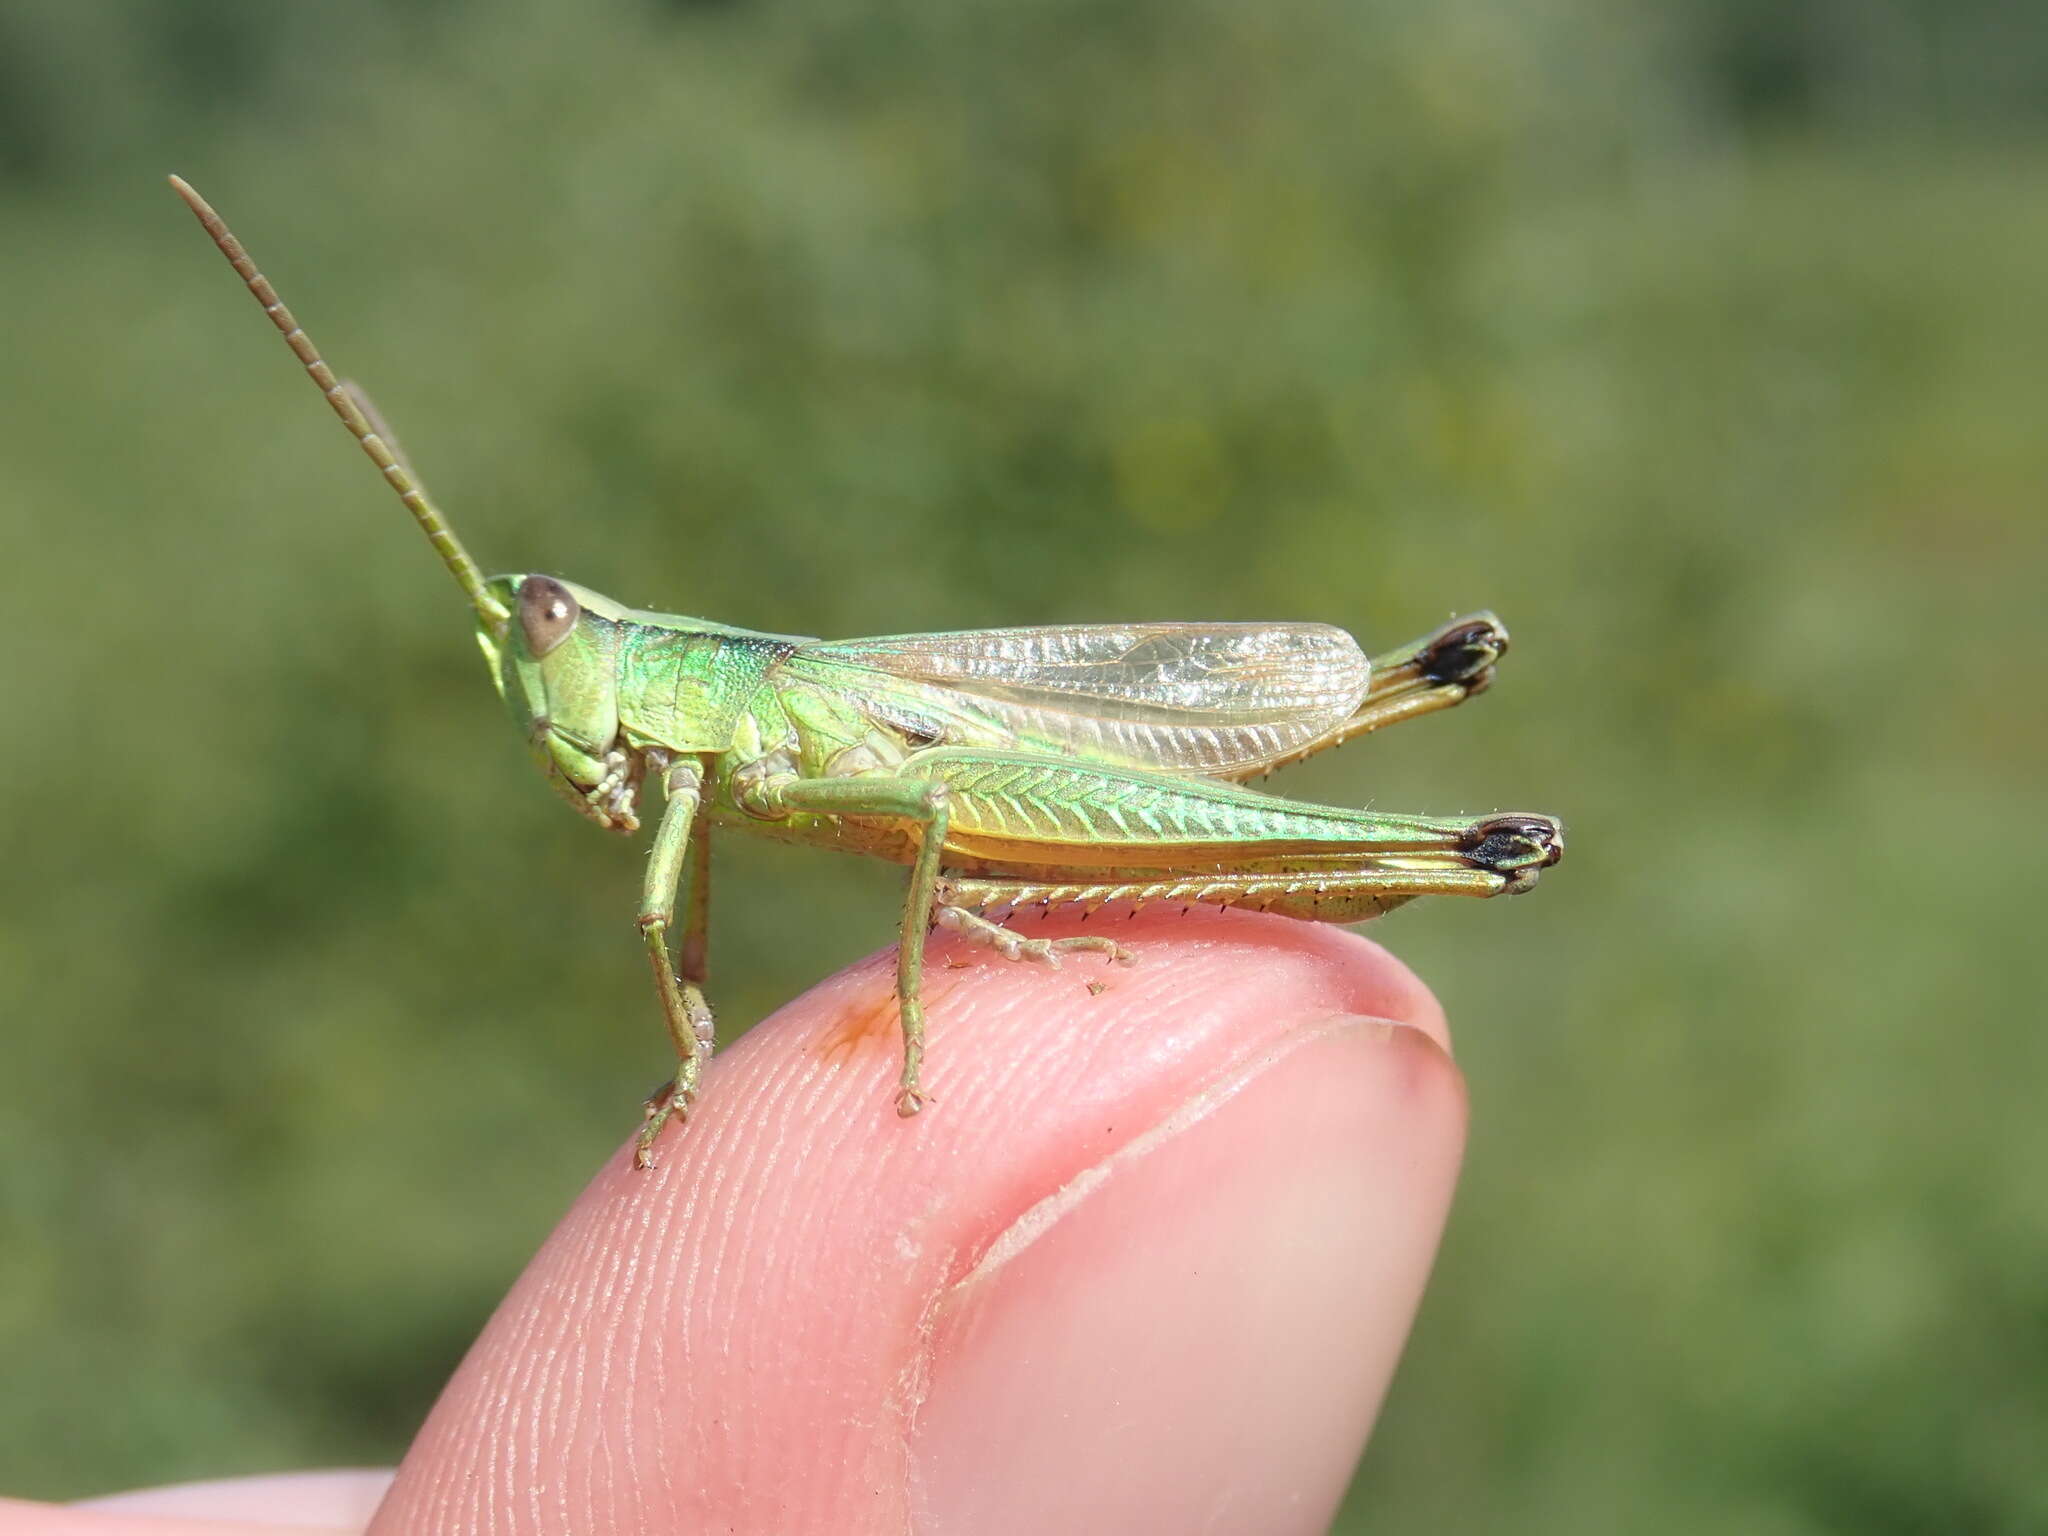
{"x": 1071, "y": 764}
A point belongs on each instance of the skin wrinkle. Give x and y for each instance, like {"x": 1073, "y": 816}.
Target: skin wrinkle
{"x": 558, "y": 1368}
{"x": 793, "y": 1140}
{"x": 570, "y": 1388}
{"x": 563, "y": 1385}
{"x": 660, "y": 1220}
{"x": 796, "y": 1141}
{"x": 522, "y": 1475}
{"x": 685, "y": 1277}
{"x": 648, "y": 1346}
{"x": 550, "y": 1362}
{"x": 620, "y": 1260}
{"x": 1033, "y": 1224}
{"x": 545, "y": 1419}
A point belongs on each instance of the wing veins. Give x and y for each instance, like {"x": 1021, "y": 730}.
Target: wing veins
{"x": 1189, "y": 697}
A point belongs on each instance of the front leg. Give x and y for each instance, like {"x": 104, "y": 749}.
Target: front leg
{"x": 680, "y": 846}
{"x": 924, "y": 804}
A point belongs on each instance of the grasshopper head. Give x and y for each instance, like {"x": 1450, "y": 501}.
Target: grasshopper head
{"x": 553, "y": 660}
{"x": 550, "y": 645}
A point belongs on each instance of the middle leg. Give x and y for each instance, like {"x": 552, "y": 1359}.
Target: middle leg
{"x": 926, "y": 805}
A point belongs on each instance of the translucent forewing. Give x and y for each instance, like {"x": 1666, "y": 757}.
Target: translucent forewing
{"x": 1198, "y": 698}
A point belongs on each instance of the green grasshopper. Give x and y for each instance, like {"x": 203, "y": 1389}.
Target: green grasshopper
{"x": 1073, "y": 764}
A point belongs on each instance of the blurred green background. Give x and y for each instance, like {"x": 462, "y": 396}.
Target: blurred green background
{"x": 1704, "y": 341}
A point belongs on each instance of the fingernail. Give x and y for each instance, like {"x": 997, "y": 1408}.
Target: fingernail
{"x": 1196, "y": 1333}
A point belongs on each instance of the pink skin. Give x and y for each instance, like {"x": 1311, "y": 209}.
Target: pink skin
{"x": 1144, "y": 1264}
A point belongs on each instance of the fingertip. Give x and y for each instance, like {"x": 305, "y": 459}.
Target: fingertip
{"x": 744, "y": 1336}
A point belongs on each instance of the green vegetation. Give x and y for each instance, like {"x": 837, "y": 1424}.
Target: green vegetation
{"x": 1704, "y": 343}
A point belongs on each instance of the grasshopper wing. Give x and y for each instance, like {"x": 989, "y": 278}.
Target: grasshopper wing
{"x": 1194, "y": 698}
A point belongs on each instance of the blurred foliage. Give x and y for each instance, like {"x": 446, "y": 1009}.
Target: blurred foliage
{"x": 1701, "y": 340}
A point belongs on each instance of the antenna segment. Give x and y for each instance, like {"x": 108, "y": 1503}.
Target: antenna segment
{"x": 438, "y": 533}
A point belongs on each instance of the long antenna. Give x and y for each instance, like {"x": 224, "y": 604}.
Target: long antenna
{"x": 344, "y": 401}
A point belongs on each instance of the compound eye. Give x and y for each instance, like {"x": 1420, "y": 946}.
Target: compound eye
{"x": 546, "y": 613}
